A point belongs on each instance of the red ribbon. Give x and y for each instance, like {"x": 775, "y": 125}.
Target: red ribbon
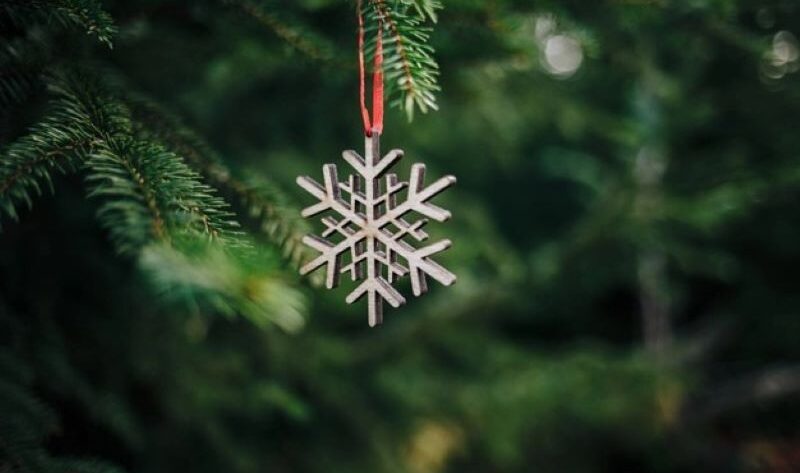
{"x": 377, "y": 79}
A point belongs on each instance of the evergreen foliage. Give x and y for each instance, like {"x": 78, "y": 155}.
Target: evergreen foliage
{"x": 262, "y": 201}
{"x": 57, "y": 143}
{"x": 410, "y": 71}
{"x": 88, "y": 15}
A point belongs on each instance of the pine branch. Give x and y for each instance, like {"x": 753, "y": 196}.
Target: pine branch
{"x": 86, "y": 14}
{"x": 279, "y": 220}
{"x": 57, "y": 143}
{"x": 157, "y": 207}
{"x": 232, "y": 282}
{"x": 154, "y": 204}
{"x": 262, "y": 200}
{"x": 410, "y": 71}
{"x": 153, "y": 196}
{"x": 296, "y": 35}
{"x": 150, "y": 192}
{"x": 425, "y": 8}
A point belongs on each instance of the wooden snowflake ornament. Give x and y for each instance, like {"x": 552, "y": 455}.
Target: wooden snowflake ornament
{"x": 371, "y": 230}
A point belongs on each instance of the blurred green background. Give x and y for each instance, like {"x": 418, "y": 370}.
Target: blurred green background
{"x": 625, "y": 232}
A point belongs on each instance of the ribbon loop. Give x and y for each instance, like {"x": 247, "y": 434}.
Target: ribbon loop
{"x": 376, "y": 124}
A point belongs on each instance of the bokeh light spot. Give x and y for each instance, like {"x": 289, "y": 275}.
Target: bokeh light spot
{"x": 563, "y": 55}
